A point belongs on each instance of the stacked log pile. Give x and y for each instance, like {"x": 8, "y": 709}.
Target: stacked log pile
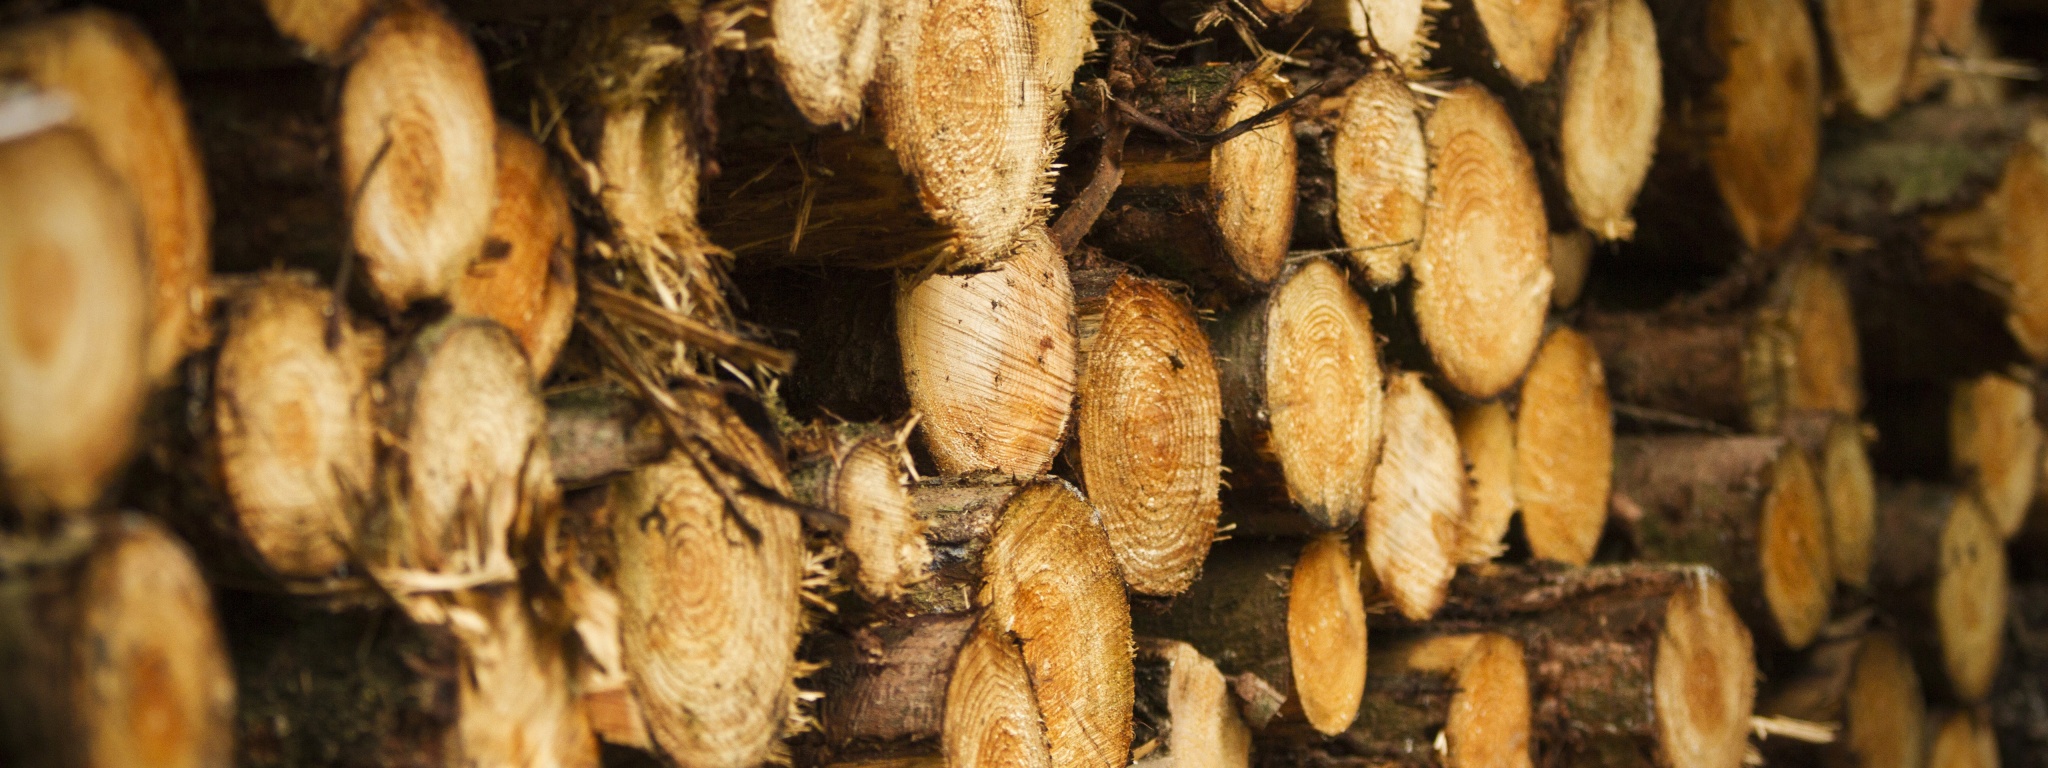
{"x": 1022, "y": 382}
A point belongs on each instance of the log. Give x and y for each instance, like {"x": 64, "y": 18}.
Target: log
{"x": 1995, "y": 447}
{"x": 323, "y": 29}
{"x": 1866, "y": 683}
{"x": 1961, "y": 738}
{"x": 1482, "y": 276}
{"x": 1380, "y": 176}
{"x": 112, "y": 655}
{"x": 708, "y": 609}
{"x": 1872, "y": 42}
{"x": 125, "y": 98}
{"x": 1404, "y": 30}
{"x": 1147, "y": 424}
{"x": 1571, "y": 257}
{"x": 1217, "y": 216}
{"x": 2000, "y": 242}
{"x": 996, "y": 721}
{"x": 417, "y": 154}
{"x": 1950, "y": 599}
{"x": 525, "y": 277}
{"x": 1795, "y": 352}
{"x": 862, "y": 473}
{"x": 76, "y": 376}
{"x": 825, "y": 53}
{"x": 294, "y": 424}
{"x": 1415, "y": 523}
{"x": 1287, "y": 621}
{"x": 1625, "y": 663}
{"x": 988, "y": 360}
{"x": 1062, "y": 32}
{"x": 1750, "y": 507}
{"x": 1486, "y": 436}
{"x": 513, "y": 699}
{"x": 1838, "y": 445}
{"x": 1439, "y": 699}
{"x": 1300, "y": 377}
{"x": 1522, "y": 40}
{"x": 1185, "y": 703}
{"x": 1564, "y": 450}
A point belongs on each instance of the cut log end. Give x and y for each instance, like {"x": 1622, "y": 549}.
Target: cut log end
{"x": 1995, "y": 443}
{"x": 1872, "y": 42}
{"x": 1486, "y": 722}
{"x": 1382, "y": 174}
{"x": 1970, "y": 599}
{"x": 1323, "y": 398}
{"x": 71, "y": 336}
{"x": 988, "y": 359}
{"x": 126, "y": 97}
{"x": 1052, "y": 582}
{"x": 525, "y": 277}
{"x": 1486, "y": 435}
{"x": 870, "y": 488}
{"x": 1251, "y": 177}
{"x": 1326, "y": 634}
{"x": 1705, "y": 679}
{"x": 991, "y": 718}
{"x": 1564, "y": 450}
{"x": 2004, "y": 241}
{"x": 1062, "y": 31}
{"x": 1482, "y": 275}
{"x": 1851, "y": 488}
{"x": 1203, "y": 727}
{"x": 296, "y": 425}
{"x": 1613, "y": 107}
{"x": 1525, "y": 36}
{"x": 825, "y": 53}
{"x": 1415, "y": 524}
{"x": 709, "y": 615}
{"x": 1826, "y": 371}
{"x": 1764, "y": 159}
{"x": 1571, "y": 257}
{"x": 323, "y": 27}
{"x": 1962, "y": 738}
{"x": 1797, "y": 569}
{"x": 1401, "y": 28}
{"x": 417, "y": 144}
{"x": 1882, "y": 710}
{"x": 1148, "y": 419}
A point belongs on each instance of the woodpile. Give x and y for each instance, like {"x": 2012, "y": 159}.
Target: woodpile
{"x": 1156, "y": 383}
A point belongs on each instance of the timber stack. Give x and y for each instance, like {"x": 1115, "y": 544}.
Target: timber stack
{"x": 1058, "y": 383}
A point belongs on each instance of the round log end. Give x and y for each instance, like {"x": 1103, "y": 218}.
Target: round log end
{"x": 1251, "y": 177}
{"x": 650, "y": 164}
{"x": 1489, "y": 715}
{"x": 417, "y": 144}
{"x": 2023, "y": 247}
{"x": 1827, "y": 370}
{"x": 1486, "y": 435}
{"x": 1851, "y": 488}
{"x": 525, "y": 276}
{"x": 1764, "y": 159}
{"x": 1882, "y": 711}
{"x": 323, "y": 27}
{"x": 1382, "y": 174}
{"x": 1564, "y": 450}
{"x": 1206, "y": 729}
{"x": 991, "y": 718}
{"x": 1797, "y": 569}
{"x": 709, "y": 616}
{"x": 1525, "y": 35}
{"x": 1051, "y": 580}
{"x": 1482, "y": 276}
{"x": 988, "y": 359}
{"x": 295, "y": 424}
{"x": 1995, "y": 442}
{"x": 1063, "y": 33}
{"x": 871, "y": 488}
{"x": 1963, "y": 738}
{"x": 1705, "y": 679}
{"x": 1323, "y": 397}
{"x": 1401, "y": 28}
{"x": 71, "y": 334}
{"x": 1613, "y": 107}
{"x": 1415, "y": 524}
{"x": 1571, "y": 257}
{"x": 825, "y": 53}
{"x": 1148, "y": 423}
{"x": 1326, "y": 635}
{"x": 1970, "y": 599}
{"x": 1872, "y": 42}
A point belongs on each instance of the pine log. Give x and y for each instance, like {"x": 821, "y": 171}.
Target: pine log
{"x": 1300, "y": 376}
{"x": 708, "y": 609}
{"x": 1872, "y": 42}
{"x": 1486, "y": 436}
{"x": 988, "y": 360}
{"x": 513, "y": 700}
{"x": 110, "y": 652}
{"x": 1797, "y": 351}
{"x": 294, "y": 424}
{"x": 1062, "y": 32}
{"x": 1379, "y": 169}
{"x": 322, "y": 28}
{"x": 1482, "y": 276}
{"x": 1213, "y": 215}
{"x": 1415, "y": 524}
{"x": 1184, "y": 702}
{"x": 1459, "y": 700}
{"x": 1839, "y": 446}
{"x": 825, "y": 53}
{"x": 1402, "y": 30}
{"x": 1995, "y": 447}
{"x": 127, "y": 101}
{"x": 1564, "y": 450}
{"x": 417, "y": 154}
{"x": 991, "y": 717}
{"x": 1626, "y": 663}
{"x": 73, "y": 341}
{"x": 1750, "y": 507}
{"x": 1961, "y": 738}
{"x": 2001, "y": 242}
{"x": 862, "y": 473}
{"x": 1950, "y": 598}
{"x": 525, "y": 277}
{"x": 1571, "y": 257}
{"x": 1742, "y": 101}
{"x": 1584, "y": 83}
{"x": 1287, "y": 621}
{"x": 1147, "y": 423}
{"x": 1867, "y": 685}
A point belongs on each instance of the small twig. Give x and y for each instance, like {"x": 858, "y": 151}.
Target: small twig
{"x": 1797, "y": 730}
{"x": 1087, "y": 207}
{"x": 337, "y": 310}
